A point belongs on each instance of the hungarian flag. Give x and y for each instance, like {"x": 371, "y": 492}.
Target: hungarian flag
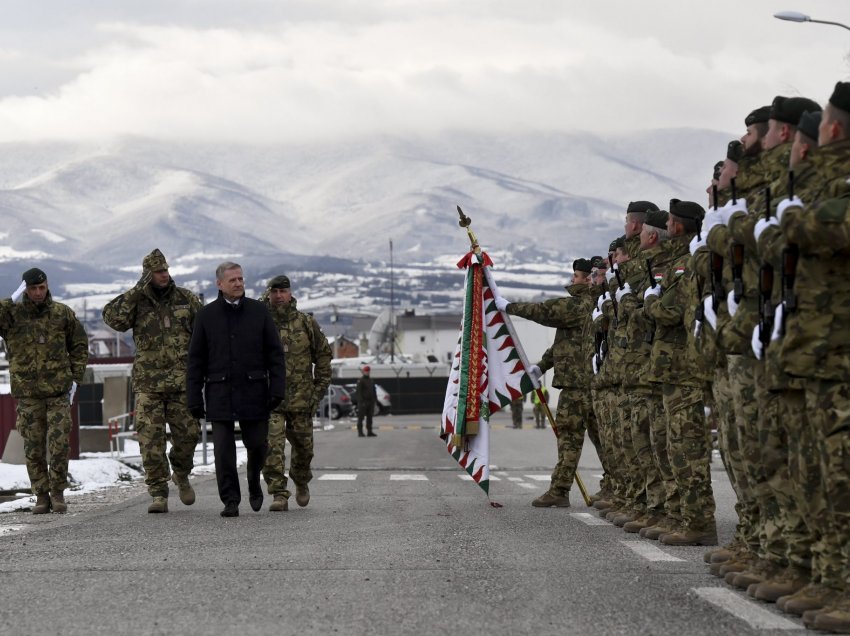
{"x": 488, "y": 372}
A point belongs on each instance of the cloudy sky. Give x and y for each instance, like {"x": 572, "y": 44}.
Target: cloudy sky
{"x": 305, "y": 70}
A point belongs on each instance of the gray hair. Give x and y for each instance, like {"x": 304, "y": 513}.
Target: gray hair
{"x": 226, "y": 265}
{"x": 660, "y": 232}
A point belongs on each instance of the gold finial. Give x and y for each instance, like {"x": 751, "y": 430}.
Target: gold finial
{"x": 465, "y": 221}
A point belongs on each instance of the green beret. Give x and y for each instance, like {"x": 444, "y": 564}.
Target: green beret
{"x": 809, "y": 124}
{"x": 154, "y": 262}
{"x": 279, "y": 282}
{"x": 840, "y": 97}
{"x": 34, "y": 276}
{"x": 657, "y": 219}
{"x": 686, "y": 210}
{"x": 788, "y": 110}
{"x": 734, "y": 151}
{"x": 717, "y": 168}
{"x": 758, "y": 116}
{"x": 598, "y": 261}
{"x": 582, "y": 265}
{"x": 639, "y": 207}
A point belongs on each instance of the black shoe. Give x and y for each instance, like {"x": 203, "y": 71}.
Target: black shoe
{"x": 371, "y": 434}
{"x": 256, "y": 501}
{"x": 231, "y": 509}
{"x": 360, "y": 434}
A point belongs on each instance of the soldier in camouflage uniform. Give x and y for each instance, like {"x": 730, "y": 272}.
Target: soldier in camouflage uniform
{"x": 569, "y": 356}
{"x": 48, "y": 351}
{"x": 162, "y": 316}
{"x": 672, "y": 364}
{"x": 308, "y": 374}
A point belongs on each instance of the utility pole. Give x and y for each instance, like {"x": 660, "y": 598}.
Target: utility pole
{"x": 392, "y": 308}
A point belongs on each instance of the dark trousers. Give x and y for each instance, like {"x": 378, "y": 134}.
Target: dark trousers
{"x": 255, "y": 436}
{"x": 365, "y": 411}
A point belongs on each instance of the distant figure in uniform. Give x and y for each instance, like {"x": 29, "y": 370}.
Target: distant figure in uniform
{"x": 48, "y": 352}
{"x": 516, "y": 411}
{"x": 539, "y": 411}
{"x": 366, "y": 399}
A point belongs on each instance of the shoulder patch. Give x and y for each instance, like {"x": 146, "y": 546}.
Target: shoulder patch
{"x": 679, "y": 271}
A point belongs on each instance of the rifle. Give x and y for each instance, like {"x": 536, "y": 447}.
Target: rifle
{"x": 648, "y": 334}
{"x": 716, "y": 267}
{"x": 766, "y": 308}
{"x": 790, "y": 256}
{"x": 620, "y": 284}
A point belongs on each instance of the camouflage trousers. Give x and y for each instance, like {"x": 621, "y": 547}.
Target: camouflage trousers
{"x": 828, "y": 404}
{"x": 749, "y": 476}
{"x": 574, "y": 411}
{"x": 45, "y": 426}
{"x": 689, "y": 449}
{"x": 622, "y": 410}
{"x": 603, "y": 448}
{"x": 516, "y": 414}
{"x": 153, "y": 411}
{"x": 297, "y": 427}
{"x": 647, "y": 409}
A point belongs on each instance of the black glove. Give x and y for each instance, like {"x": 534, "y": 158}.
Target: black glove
{"x": 197, "y": 412}
{"x": 274, "y": 402}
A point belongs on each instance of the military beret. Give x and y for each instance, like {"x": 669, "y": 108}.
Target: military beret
{"x": 154, "y": 262}
{"x": 279, "y": 282}
{"x": 809, "y": 124}
{"x": 758, "y": 116}
{"x": 788, "y": 110}
{"x": 598, "y": 261}
{"x": 734, "y": 151}
{"x": 582, "y": 265}
{"x": 638, "y": 207}
{"x": 686, "y": 210}
{"x": 717, "y": 168}
{"x": 656, "y": 218}
{"x": 840, "y": 97}
{"x": 34, "y": 276}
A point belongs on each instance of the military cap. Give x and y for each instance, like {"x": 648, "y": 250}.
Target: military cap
{"x": 279, "y": 282}
{"x": 582, "y": 265}
{"x": 638, "y": 207}
{"x": 809, "y": 124}
{"x": 734, "y": 151}
{"x": 840, "y": 97}
{"x": 758, "y": 116}
{"x": 717, "y": 168}
{"x": 656, "y": 218}
{"x": 598, "y": 261}
{"x": 789, "y": 109}
{"x": 34, "y": 276}
{"x": 154, "y": 262}
{"x": 686, "y": 210}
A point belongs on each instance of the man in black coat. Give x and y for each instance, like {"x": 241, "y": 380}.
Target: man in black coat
{"x": 236, "y": 366}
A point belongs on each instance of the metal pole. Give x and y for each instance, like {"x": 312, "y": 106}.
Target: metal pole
{"x": 392, "y": 307}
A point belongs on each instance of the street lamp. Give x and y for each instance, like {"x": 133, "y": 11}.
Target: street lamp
{"x": 796, "y": 16}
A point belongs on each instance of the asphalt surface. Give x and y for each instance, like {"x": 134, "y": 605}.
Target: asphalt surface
{"x": 394, "y": 541}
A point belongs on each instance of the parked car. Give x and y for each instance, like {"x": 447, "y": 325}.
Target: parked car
{"x": 341, "y": 403}
{"x": 382, "y": 407}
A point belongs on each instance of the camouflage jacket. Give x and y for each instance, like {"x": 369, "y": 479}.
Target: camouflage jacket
{"x": 569, "y": 353}
{"x": 48, "y": 347}
{"x": 308, "y": 356}
{"x": 162, "y": 324}
{"x": 617, "y": 364}
{"x": 670, "y": 362}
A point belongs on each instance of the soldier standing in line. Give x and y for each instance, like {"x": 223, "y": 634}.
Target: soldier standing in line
{"x": 539, "y": 411}
{"x": 48, "y": 352}
{"x": 367, "y": 397}
{"x": 570, "y": 316}
{"x": 308, "y": 374}
{"x": 516, "y": 411}
{"x": 162, "y": 316}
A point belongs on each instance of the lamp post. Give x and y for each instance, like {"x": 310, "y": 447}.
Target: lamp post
{"x": 796, "y": 16}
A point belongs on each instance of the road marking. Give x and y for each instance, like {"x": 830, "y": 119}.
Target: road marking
{"x": 519, "y": 479}
{"x": 469, "y": 477}
{"x": 526, "y": 485}
{"x": 539, "y": 477}
{"x": 338, "y": 477}
{"x": 649, "y": 551}
{"x": 408, "y": 477}
{"x": 755, "y": 616}
{"x": 589, "y": 519}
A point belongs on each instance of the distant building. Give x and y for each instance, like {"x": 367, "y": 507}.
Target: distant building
{"x": 342, "y": 347}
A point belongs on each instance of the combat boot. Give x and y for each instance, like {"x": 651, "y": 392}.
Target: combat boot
{"x": 611, "y": 514}
{"x": 302, "y": 494}
{"x": 656, "y": 531}
{"x": 719, "y": 555}
{"x": 159, "y": 504}
{"x": 785, "y": 583}
{"x": 812, "y": 597}
{"x": 42, "y": 504}
{"x": 735, "y": 565}
{"x": 280, "y": 504}
{"x": 759, "y": 572}
{"x": 603, "y": 504}
{"x": 690, "y": 537}
{"x": 640, "y": 523}
{"x": 548, "y": 500}
{"x": 623, "y": 518}
{"x": 836, "y": 619}
{"x": 186, "y": 492}
{"x": 57, "y": 501}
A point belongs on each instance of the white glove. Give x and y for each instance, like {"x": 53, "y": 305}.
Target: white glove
{"x": 16, "y": 295}
{"x": 72, "y": 392}
{"x": 762, "y": 224}
{"x": 730, "y": 208}
{"x": 698, "y": 242}
{"x": 593, "y": 363}
{"x": 609, "y": 274}
{"x": 758, "y": 347}
{"x": 652, "y": 291}
{"x": 708, "y": 312}
{"x": 733, "y": 306}
{"x": 625, "y": 289}
{"x": 778, "y": 318}
{"x": 535, "y": 372}
{"x": 501, "y": 303}
{"x": 787, "y": 203}
{"x": 604, "y": 298}
{"x": 712, "y": 218}
{"x": 597, "y": 313}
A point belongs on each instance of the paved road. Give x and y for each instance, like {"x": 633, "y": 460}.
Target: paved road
{"x": 394, "y": 541}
